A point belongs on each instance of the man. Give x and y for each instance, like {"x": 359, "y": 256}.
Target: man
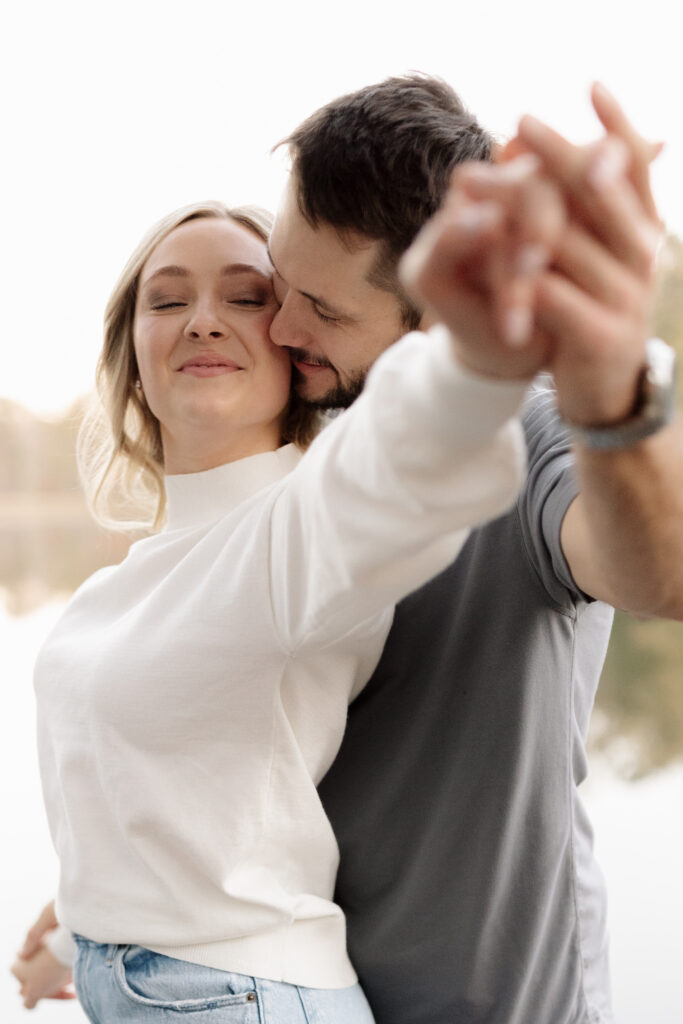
{"x": 466, "y": 869}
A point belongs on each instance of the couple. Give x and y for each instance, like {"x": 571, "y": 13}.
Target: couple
{"x": 191, "y": 699}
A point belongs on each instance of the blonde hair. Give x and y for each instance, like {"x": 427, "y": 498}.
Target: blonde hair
{"x": 119, "y": 450}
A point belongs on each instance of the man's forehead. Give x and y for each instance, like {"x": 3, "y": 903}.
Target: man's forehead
{"x": 317, "y": 296}
{"x": 317, "y": 260}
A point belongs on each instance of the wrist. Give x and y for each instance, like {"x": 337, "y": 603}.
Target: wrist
{"x": 652, "y": 407}
{"x": 518, "y": 370}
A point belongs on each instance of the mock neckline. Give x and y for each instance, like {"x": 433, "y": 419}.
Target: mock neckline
{"x": 194, "y": 499}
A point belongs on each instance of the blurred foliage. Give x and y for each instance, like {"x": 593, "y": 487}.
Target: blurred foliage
{"x": 639, "y": 710}
{"x": 48, "y": 545}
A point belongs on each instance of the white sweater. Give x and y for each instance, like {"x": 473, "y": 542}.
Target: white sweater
{"x": 191, "y": 698}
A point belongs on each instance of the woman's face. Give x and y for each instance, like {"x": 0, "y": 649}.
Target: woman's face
{"x": 209, "y": 371}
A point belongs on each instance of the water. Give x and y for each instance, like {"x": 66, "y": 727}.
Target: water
{"x": 639, "y": 841}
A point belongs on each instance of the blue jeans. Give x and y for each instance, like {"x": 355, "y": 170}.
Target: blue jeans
{"x": 132, "y": 985}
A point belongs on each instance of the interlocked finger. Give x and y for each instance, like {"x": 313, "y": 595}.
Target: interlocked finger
{"x": 598, "y": 191}
{"x": 585, "y": 262}
{"x": 642, "y": 152}
{"x": 534, "y": 218}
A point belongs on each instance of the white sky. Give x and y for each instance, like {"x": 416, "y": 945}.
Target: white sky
{"x": 115, "y": 114}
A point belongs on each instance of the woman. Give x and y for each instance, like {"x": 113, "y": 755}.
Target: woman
{"x": 191, "y": 698}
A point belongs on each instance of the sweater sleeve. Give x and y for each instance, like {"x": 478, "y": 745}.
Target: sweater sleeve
{"x": 384, "y": 497}
{"x": 61, "y": 944}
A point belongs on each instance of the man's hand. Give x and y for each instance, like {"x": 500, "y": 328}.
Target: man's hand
{"x": 546, "y": 261}
{"x": 40, "y": 974}
{"x": 597, "y": 299}
{"x": 42, "y": 977}
{"x": 45, "y": 922}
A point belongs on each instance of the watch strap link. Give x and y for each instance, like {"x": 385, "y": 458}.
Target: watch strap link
{"x": 655, "y": 406}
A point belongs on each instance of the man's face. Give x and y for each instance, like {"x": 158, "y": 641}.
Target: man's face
{"x": 333, "y": 321}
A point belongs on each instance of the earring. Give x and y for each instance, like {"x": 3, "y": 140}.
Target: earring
{"x": 138, "y": 384}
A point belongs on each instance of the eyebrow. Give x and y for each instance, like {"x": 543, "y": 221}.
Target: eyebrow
{"x": 173, "y": 270}
{"x": 317, "y": 299}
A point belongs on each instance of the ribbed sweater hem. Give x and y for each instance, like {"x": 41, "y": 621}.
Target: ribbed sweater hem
{"x": 311, "y": 953}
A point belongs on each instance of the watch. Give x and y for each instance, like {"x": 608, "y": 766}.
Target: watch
{"x": 655, "y": 405}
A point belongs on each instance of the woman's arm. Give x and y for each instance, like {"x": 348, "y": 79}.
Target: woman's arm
{"x": 383, "y": 499}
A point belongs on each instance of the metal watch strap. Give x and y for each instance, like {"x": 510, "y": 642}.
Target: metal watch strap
{"x": 655, "y": 406}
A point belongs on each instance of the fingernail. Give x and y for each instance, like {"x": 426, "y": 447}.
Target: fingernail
{"x": 609, "y": 162}
{"x": 604, "y": 92}
{"x": 531, "y": 259}
{"x": 532, "y": 128}
{"x": 478, "y": 216}
{"x": 517, "y": 326}
{"x": 520, "y": 168}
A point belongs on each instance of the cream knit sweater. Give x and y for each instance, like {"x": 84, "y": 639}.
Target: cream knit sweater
{"x": 191, "y": 698}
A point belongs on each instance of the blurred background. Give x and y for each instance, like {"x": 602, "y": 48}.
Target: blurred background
{"x": 116, "y": 114}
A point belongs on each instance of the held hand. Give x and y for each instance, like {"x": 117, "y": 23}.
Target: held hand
{"x": 596, "y": 302}
{"x": 46, "y": 922}
{"x": 477, "y": 263}
{"x": 42, "y": 977}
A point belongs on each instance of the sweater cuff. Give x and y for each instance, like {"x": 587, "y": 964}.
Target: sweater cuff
{"x": 62, "y": 946}
{"x": 484, "y": 402}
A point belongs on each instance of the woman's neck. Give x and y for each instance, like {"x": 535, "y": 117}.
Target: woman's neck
{"x": 197, "y": 454}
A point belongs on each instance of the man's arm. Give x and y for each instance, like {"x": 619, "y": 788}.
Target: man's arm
{"x": 623, "y": 535}
{"x": 591, "y": 305}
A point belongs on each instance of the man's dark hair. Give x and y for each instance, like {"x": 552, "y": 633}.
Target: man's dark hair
{"x": 378, "y": 162}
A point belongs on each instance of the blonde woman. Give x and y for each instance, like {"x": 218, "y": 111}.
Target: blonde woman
{"x": 191, "y": 698}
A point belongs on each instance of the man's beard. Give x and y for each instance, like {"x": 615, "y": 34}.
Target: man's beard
{"x": 339, "y": 397}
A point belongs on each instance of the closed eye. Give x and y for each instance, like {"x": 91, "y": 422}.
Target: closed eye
{"x": 325, "y": 319}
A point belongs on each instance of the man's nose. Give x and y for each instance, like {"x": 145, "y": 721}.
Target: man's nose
{"x": 283, "y": 327}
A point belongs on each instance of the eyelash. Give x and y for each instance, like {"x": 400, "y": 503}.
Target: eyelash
{"x": 325, "y": 319}
{"x": 249, "y": 303}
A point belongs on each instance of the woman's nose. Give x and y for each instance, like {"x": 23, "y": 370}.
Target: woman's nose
{"x": 205, "y": 323}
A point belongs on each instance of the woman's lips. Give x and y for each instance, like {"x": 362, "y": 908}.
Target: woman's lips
{"x": 208, "y": 364}
{"x": 212, "y": 370}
